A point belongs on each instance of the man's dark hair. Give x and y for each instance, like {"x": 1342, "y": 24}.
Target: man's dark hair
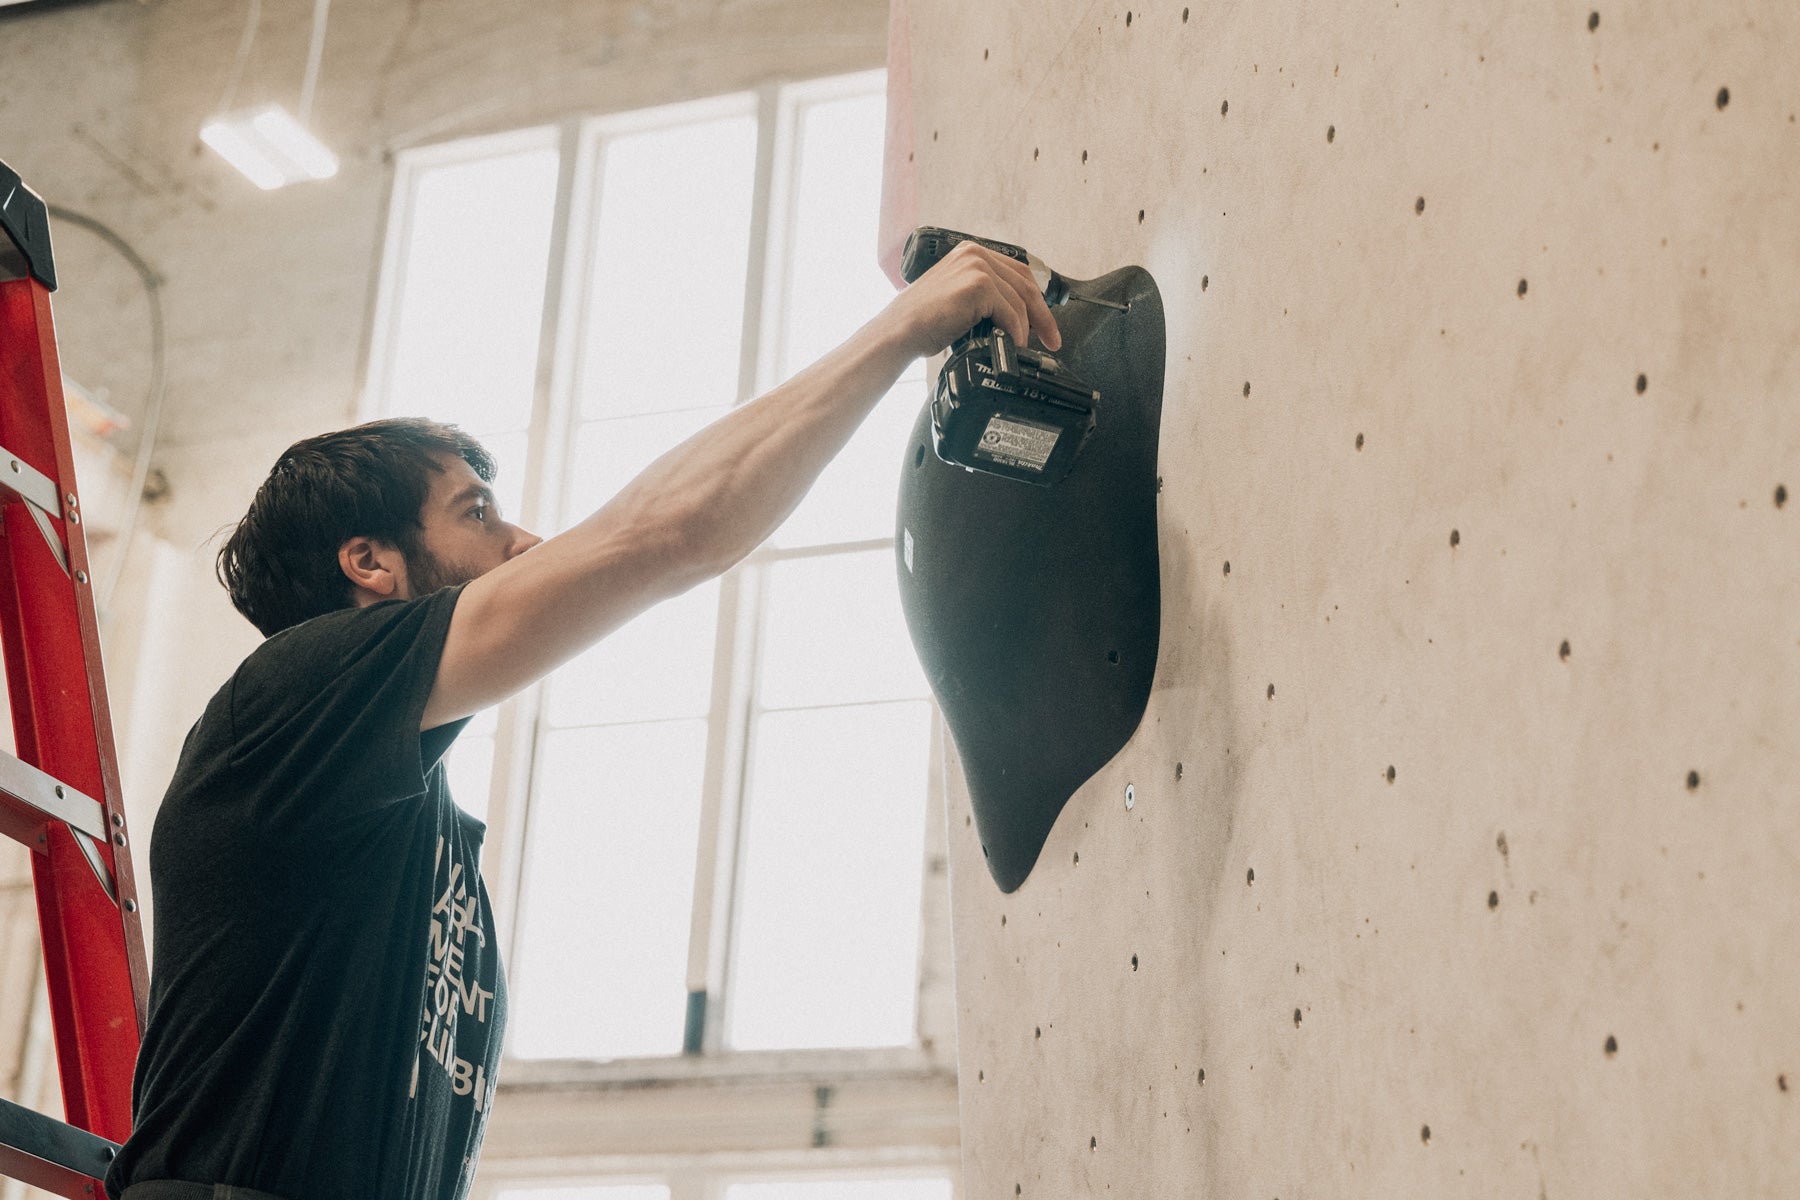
{"x": 281, "y": 562}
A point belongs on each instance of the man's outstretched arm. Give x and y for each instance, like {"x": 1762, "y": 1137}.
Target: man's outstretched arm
{"x": 706, "y": 504}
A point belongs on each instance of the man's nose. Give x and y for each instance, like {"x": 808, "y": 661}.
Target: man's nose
{"x": 522, "y": 540}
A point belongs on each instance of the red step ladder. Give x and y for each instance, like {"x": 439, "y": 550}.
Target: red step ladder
{"x": 60, "y": 796}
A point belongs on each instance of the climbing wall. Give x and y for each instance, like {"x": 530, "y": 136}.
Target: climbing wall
{"x": 1464, "y": 856}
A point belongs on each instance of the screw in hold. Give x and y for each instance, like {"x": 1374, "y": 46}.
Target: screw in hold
{"x": 1130, "y": 797}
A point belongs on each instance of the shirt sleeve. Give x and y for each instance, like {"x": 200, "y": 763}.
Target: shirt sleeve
{"x": 326, "y": 714}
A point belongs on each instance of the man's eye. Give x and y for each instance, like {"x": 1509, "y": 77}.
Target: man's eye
{"x": 479, "y": 512}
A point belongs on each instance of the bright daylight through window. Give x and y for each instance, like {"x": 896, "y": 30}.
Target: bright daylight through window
{"x": 583, "y": 299}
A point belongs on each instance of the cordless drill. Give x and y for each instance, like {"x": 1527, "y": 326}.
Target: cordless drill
{"x": 999, "y": 407}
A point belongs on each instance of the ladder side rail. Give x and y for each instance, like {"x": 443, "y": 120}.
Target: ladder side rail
{"x": 95, "y": 1002}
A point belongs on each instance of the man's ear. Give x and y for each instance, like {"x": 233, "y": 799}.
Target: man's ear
{"x": 376, "y": 570}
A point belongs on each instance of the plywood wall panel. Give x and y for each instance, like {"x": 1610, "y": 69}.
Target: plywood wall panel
{"x": 1484, "y": 379}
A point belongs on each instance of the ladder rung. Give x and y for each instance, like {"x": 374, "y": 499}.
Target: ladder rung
{"x": 51, "y": 796}
{"x": 28, "y": 483}
{"x": 48, "y": 1154}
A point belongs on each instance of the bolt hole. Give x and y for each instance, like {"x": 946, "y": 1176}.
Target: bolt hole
{"x": 1112, "y": 656}
{"x": 1724, "y": 97}
{"x": 1693, "y": 780}
{"x": 919, "y": 457}
{"x": 1562, "y": 651}
{"x": 1642, "y": 383}
{"x": 1522, "y": 287}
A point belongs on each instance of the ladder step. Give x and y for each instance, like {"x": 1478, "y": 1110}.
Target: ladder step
{"x": 51, "y": 797}
{"x": 48, "y": 1154}
{"x": 28, "y": 483}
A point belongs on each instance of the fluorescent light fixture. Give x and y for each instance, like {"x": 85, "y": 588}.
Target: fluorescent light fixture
{"x": 269, "y": 147}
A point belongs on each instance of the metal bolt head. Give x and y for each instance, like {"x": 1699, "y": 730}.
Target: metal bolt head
{"x": 130, "y": 905}
{"x": 72, "y": 500}
{"x": 1130, "y": 797}
{"x": 119, "y": 820}
{"x": 74, "y": 518}
{"x": 119, "y": 839}
{"x": 81, "y": 577}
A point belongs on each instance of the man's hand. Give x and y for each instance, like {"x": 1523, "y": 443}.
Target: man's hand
{"x": 970, "y": 285}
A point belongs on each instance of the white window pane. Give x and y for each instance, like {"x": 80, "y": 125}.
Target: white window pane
{"x": 659, "y": 666}
{"x": 833, "y": 633}
{"x": 638, "y": 1192}
{"x": 834, "y": 282}
{"x": 609, "y": 888}
{"x": 470, "y": 769}
{"x": 471, "y": 304}
{"x": 665, "y": 310}
{"x": 610, "y": 454}
{"x": 858, "y": 493}
{"x": 846, "y": 1189}
{"x": 827, "y": 940}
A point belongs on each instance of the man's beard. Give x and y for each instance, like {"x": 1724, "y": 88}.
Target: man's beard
{"x": 427, "y": 573}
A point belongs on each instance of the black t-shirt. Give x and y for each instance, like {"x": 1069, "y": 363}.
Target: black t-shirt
{"x": 327, "y": 1003}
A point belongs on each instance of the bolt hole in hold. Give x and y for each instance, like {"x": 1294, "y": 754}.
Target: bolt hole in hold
{"x": 1184, "y": 16}
{"x": 919, "y": 458}
{"x": 1359, "y": 441}
{"x": 1093, "y": 1143}
{"x": 1593, "y": 21}
{"x": 1642, "y": 383}
{"x": 1780, "y": 495}
{"x": 1178, "y": 770}
{"x": 1522, "y": 287}
{"x": 1612, "y": 1045}
{"x": 1693, "y": 780}
{"x": 1296, "y": 1018}
{"x": 1204, "y": 281}
{"x": 1493, "y": 899}
{"x": 1228, "y": 567}
{"x": 1224, "y": 108}
{"x": 1134, "y": 962}
{"x": 1246, "y": 387}
{"x": 1563, "y": 651}
{"x": 1724, "y": 97}
{"x": 1331, "y": 133}
{"x": 1271, "y": 691}
{"x": 1425, "y": 1134}
{"x": 1203, "y": 1078}
{"x": 1419, "y": 206}
{"x": 1455, "y": 538}
{"x": 1250, "y": 877}
{"x": 1112, "y": 656}
{"x": 1128, "y": 20}
{"x": 1390, "y": 773}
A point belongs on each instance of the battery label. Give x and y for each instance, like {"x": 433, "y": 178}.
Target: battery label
{"x": 1015, "y": 443}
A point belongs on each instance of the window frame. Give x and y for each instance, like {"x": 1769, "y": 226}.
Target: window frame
{"x": 520, "y": 728}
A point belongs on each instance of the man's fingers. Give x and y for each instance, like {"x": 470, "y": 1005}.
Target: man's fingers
{"x": 1035, "y": 313}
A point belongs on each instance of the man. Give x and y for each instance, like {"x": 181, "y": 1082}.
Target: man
{"x": 327, "y": 1003}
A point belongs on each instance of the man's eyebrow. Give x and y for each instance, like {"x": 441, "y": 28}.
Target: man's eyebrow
{"x": 475, "y": 491}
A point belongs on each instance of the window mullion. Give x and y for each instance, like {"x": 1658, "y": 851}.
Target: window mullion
{"x": 715, "y": 878}
{"x": 516, "y": 735}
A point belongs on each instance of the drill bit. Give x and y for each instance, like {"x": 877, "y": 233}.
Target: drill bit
{"x": 1073, "y": 295}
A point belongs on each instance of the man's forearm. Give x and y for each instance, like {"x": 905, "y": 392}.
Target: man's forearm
{"x": 740, "y": 477}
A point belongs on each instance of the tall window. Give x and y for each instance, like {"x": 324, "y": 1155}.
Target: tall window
{"x": 723, "y": 804}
